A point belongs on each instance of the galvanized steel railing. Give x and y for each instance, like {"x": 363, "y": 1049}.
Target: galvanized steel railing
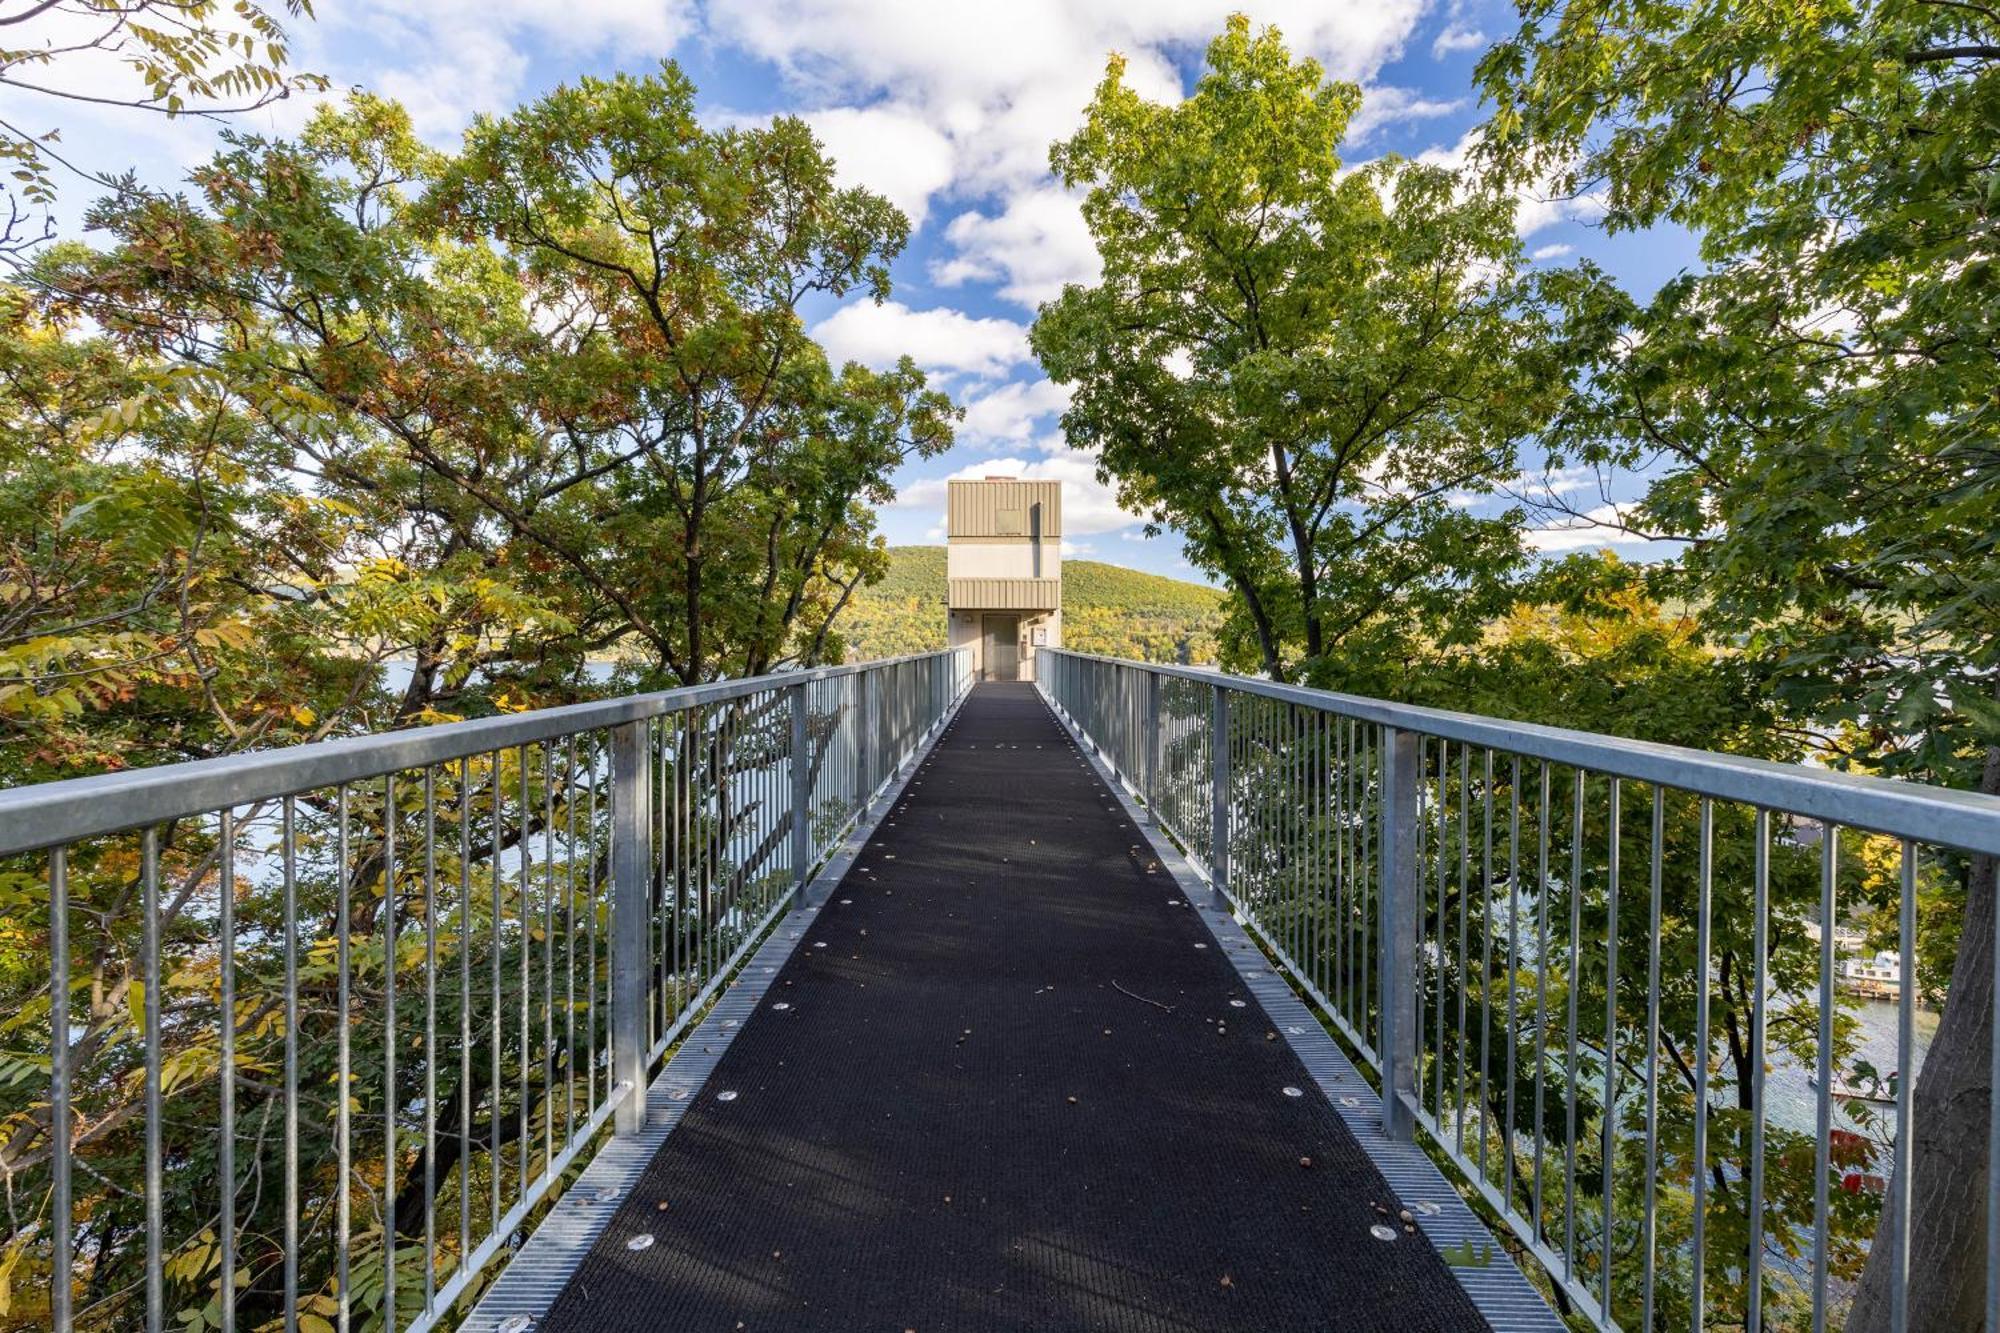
{"x": 367, "y": 1002}
{"x": 1448, "y": 889}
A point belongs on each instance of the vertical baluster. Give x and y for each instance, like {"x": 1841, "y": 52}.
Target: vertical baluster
{"x": 430, "y": 1040}
{"x": 523, "y": 884}
{"x": 290, "y": 870}
{"x": 1541, "y": 989}
{"x": 1155, "y": 744}
{"x": 1485, "y": 959}
{"x": 1901, "y": 1186}
{"x": 1513, "y": 970}
{"x": 1703, "y": 926}
{"x": 1822, "y": 1163}
{"x": 1364, "y": 886}
{"x": 1218, "y": 828}
{"x": 495, "y": 1158}
{"x": 664, "y": 926}
{"x": 1443, "y": 891}
{"x": 1649, "y": 1239}
{"x": 1343, "y": 866}
{"x": 465, "y": 1098}
{"x": 389, "y": 1099}
{"x": 225, "y": 1156}
{"x": 1993, "y": 1153}
{"x": 1610, "y": 1125}
{"x": 590, "y": 932}
{"x": 343, "y": 1054}
{"x": 548, "y": 957}
{"x": 61, "y": 1207}
{"x": 569, "y": 939}
{"x": 1759, "y": 963}
{"x": 801, "y": 775}
{"x": 1570, "y": 1071}
{"x": 149, "y": 907}
{"x": 1463, "y": 1044}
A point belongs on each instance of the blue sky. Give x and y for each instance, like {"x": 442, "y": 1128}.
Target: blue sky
{"x": 947, "y": 107}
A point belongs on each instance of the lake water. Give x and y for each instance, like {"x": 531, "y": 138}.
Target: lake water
{"x": 1794, "y": 1102}
{"x": 397, "y": 670}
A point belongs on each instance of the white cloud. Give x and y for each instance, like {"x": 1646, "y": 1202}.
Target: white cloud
{"x": 1032, "y": 248}
{"x": 447, "y": 60}
{"x": 1456, "y": 37}
{"x": 1545, "y": 252}
{"x": 1003, "y": 81}
{"x": 941, "y": 340}
{"x": 1601, "y": 526}
{"x": 1537, "y": 206}
{"x": 891, "y": 150}
{"x": 1386, "y": 104}
{"x": 1089, "y": 506}
{"x": 1012, "y": 414}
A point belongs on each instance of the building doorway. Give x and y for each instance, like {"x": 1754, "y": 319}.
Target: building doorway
{"x": 1003, "y": 647}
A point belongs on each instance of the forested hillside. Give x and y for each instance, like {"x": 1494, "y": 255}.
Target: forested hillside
{"x": 1106, "y": 609}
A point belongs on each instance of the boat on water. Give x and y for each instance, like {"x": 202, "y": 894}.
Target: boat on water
{"x": 1882, "y": 1094}
{"x": 1880, "y": 976}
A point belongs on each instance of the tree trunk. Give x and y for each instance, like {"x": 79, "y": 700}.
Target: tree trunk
{"x": 1948, "y": 1154}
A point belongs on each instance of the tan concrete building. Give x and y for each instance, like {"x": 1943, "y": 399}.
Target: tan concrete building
{"x": 1003, "y": 561}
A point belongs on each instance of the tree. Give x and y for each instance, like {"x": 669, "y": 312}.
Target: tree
{"x": 167, "y": 57}
{"x": 1815, "y": 402}
{"x": 692, "y": 250}
{"x": 1317, "y": 375}
{"x": 333, "y": 409}
{"x": 584, "y": 332}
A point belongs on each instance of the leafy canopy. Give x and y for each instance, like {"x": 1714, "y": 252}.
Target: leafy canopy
{"x": 1318, "y": 375}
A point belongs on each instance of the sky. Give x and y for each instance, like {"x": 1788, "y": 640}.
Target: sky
{"x": 947, "y": 107}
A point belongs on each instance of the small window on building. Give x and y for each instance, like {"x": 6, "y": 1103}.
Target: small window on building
{"x": 1007, "y": 522}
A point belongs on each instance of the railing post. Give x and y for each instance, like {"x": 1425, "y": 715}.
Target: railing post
{"x": 802, "y": 848}
{"x": 1153, "y": 745}
{"x": 1219, "y": 797}
{"x": 631, "y": 871}
{"x": 871, "y": 727}
{"x": 1399, "y": 903}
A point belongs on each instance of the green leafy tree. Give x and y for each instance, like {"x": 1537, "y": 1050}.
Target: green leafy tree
{"x": 330, "y": 446}
{"x": 165, "y": 57}
{"x": 1815, "y": 402}
{"x": 691, "y": 250}
{"x": 1315, "y": 374}
{"x": 607, "y": 367}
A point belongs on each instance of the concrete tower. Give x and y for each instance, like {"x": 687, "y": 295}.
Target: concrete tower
{"x": 1003, "y": 563}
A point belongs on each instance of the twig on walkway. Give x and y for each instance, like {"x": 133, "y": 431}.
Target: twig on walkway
{"x": 1142, "y": 999}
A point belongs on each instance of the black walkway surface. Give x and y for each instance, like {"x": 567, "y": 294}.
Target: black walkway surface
{"x": 961, "y": 1123}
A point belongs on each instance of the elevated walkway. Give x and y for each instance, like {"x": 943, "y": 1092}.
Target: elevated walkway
{"x": 1008, "y": 1077}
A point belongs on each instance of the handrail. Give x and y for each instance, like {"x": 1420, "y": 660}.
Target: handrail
{"x": 369, "y": 999}
{"x": 1577, "y": 965}
{"x": 49, "y": 814}
{"x": 1942, "y": 816}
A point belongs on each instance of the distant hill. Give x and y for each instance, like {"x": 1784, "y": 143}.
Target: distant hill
{"x": 1106, "y": 609}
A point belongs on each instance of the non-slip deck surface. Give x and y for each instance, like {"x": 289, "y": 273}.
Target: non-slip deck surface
{"x": 962, "y": 1123}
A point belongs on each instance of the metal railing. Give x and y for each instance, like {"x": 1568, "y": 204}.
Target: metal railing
{"x": 1554, "y": 948}
{"x": 325, "y": 1026}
